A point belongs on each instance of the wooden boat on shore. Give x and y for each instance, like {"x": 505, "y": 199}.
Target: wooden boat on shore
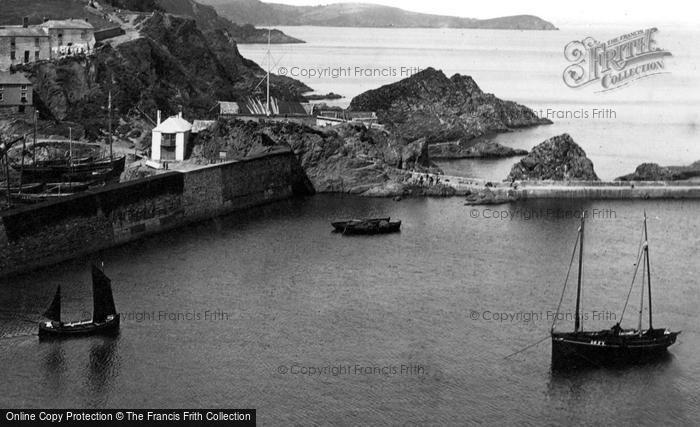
{"x": 105, "y": 319}
{"x": 367, "y": 226}
{"x": 614, "y": 346}
{"x": 75, "y": 170}
{"x": 31, "y": 188}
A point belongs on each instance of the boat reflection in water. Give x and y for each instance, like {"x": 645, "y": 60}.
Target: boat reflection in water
{"x": 614, "y": 346}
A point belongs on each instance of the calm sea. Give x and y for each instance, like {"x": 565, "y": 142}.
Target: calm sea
{"x": 651, "y": 120}
{"x": 269, "y": 309}
{"x": 446, "y": 300}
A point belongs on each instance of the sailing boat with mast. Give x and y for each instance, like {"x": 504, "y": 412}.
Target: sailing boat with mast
{"x": 86, "y": 169}
{"x": 105, "y": 318}
{"x": 615, "y": 345}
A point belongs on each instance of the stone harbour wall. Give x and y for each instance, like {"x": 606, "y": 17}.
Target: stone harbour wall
{"x": 78, "y": 225}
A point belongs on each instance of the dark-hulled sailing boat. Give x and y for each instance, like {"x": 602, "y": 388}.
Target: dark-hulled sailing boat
{"x": 614, "y": 346}
{"x": 105, "y": 318}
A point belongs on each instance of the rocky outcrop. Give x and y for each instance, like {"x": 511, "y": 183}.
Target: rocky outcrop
{"x": 559, "y": 158}
{"x": 173, "y": 64}
{"x": 481, "y": 149}
{"x": 654, "y": 172}
{"x": 428, "y": 104}
{"x": 349, "y": 158}
{"x": 489, "y": 196}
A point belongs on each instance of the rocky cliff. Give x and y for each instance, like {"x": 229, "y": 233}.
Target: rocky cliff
{"x": 559, "y": 158}
{"x": 171, "y": 64}
{"x": 209, "y": 20}
{"x": 654, "y": 172}
{"x": 428, "y": 104}
{"x": 348, "y": 158}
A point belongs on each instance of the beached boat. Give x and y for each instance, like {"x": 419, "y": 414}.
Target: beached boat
{"x": 34, "y": 187}
{"x": 82, "y": 170}
{"x": 105, "y": 318}
{"x": 367, "y": 226}
{"x": 616, "y": 345}
{"x": 51, "y": 191}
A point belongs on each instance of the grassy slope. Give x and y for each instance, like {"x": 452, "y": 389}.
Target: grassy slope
{"x": 36, "y": 10}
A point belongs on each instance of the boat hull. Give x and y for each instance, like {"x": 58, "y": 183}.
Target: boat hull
{"x": 340, "y": 226}
{"x": 367, "y": 226}
{"x": 604, "y": 348}
{"x": 382, "y": 228}
{"x": 81, "y": 171}
{"x": 60, "y": 330}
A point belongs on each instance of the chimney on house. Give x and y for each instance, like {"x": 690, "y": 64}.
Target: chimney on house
{"x": 179, "y": 114}
{"x": 25, "y": 22}
{"x": 45, "y": 19}
{"x": 158, "y": 118}
{"x": 86, "y": 19}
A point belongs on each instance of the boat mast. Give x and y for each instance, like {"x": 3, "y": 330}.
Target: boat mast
{"x": 109, "y": 124}
{"x": 646, "y": 255}
{"x": 7, "y": 179}
{"x": 269, "y": 60}
{"x": 641, "y": 300}
{"x": 34, "y": 146}
{"x": 21, "y": 167}
{"x": 577, "y": 323}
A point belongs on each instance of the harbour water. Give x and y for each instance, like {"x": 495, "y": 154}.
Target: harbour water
{"x": 650, "y": 120}
{"x": 269, "y": 309}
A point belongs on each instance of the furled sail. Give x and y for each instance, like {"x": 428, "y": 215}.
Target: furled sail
{"x": 54, "y": 310}
{"x": 103, "y": 302}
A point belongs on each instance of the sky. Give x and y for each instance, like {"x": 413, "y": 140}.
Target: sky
{"x": 648, "y": 12}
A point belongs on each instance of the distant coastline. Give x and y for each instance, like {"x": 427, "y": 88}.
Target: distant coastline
{"x": 362, "y": 15}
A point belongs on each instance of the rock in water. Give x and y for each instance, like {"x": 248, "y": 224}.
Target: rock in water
{"x": 482, "y": 149}
{"x": 559, "y": 158}
{"x": 654, "y": 172}
{"x": 430, "y": 105}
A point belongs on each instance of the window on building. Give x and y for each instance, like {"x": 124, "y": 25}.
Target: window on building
{"x": 26, "y": 56}
{"x": 60, "y": 39}
{"x": 2, "y": 96}
{"x": 23, "y": 88}
{"x": 12, "y": 55}
{"x": 23, "y": 100}
{"x": 83, "y": 35}
{"x": 13, "y": 43}
{"x": 20, "y": 109}
{"x": 36, "y": 41}
{"x": 36, "y": 55}
{"x": 168, "y": 140}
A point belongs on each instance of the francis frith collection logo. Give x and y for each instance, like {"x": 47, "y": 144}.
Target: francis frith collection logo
{"x": 615, "y": 63}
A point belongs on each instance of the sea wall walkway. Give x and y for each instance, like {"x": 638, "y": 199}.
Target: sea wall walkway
{"x": 523, "y": 190}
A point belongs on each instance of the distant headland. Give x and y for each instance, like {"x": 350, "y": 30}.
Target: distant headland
{"x": 362, "y": 15}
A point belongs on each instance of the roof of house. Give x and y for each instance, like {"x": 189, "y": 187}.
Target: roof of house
{"x": 174, "y": 124}
{"x": 19, "y": 31}
{"x": 200, "y": 125}
{"x": 71, "y": 24}
{"x": 7, "y": 78}
{"x": 257, "y": 107}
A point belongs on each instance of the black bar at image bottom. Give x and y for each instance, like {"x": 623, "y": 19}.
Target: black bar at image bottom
{"x": 127, "y": 417}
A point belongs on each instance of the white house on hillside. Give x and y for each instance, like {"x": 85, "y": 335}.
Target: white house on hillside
{"x": 169, "y": 139}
